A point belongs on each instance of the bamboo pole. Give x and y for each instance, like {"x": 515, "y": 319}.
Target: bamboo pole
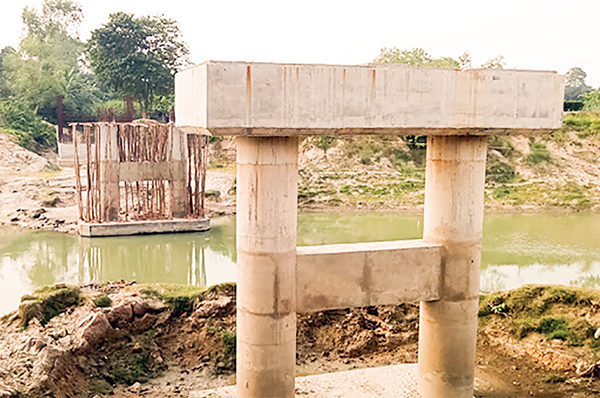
{"x": 86, "y": 135}
{"x": 76, "y": 166}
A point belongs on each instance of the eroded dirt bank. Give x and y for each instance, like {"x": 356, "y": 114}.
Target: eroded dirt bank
{"x": 124, "y": 339}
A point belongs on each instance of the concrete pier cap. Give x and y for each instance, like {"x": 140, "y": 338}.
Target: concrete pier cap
{"x": 267, "y": 105}
{"x": 264, "y": 99}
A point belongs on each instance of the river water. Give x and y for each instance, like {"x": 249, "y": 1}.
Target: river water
{"x": 517, "y": 249}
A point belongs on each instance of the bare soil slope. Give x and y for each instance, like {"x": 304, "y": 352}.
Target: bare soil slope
{"x": 166, "y": 341}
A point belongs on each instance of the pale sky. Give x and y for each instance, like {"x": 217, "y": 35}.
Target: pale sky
{"x": 530, "y": 34}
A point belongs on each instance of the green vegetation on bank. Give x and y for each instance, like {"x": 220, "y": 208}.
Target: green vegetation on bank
{"x": 586, "y": 124}
{"x": 384, "y": 172}
{"x": 48, "y": 302}
{"x": 29, "y": 129}
{"x": 557, "y": 312}
{"x": 182, "y": 298}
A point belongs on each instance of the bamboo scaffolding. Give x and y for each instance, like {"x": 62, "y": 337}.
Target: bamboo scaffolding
{"x": 143, "y": 198}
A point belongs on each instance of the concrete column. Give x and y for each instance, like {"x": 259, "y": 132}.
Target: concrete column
{"x": 267, "y": 192}
{"x": 109, "y": 173}
{"x": 454, "y": 184}
{"x": 178, "y": 182}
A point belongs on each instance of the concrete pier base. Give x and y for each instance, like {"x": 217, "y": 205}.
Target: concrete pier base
{"x": 94, "y": 230}
{"x": 454, "y": 189}
{"x": 267, "y": 191}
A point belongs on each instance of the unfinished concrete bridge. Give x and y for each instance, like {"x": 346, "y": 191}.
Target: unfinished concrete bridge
{"x": 267, "y": 106}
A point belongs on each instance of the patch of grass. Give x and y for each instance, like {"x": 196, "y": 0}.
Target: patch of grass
{"x": 227, "y": 354}
{"x": 541, "y": 194}
{"x": 325, "y": 142}
{"x": 134, "y": 361}
{"x": 395, "y": 189}
{"x": 179, "y": 298}
{"x": 48, "y": 302}
{"x": 499, "y": 171}
{"x": 102, "y": 300}
{"x": 51, "y": 200}
{"x": 213, "y": 193}
{"x": 98, "y": 386}
{"x": 584, "y": 123}
{"x": 229, "y": 339}
{"x": 549, "y": 310}
{"x": 132, "y": 370}
{"x": 502, "y": 144}
{"x": 553, "y": 328}
{"x": 306, "y": 191}
{"x": 553, "y": 377}
{"x": 538, "y": 154}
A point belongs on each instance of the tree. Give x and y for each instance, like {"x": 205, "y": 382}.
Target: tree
{"x": 4, "y": 92}
{"x": 495, "y": 63}
{"x": 418, "y": 57}
{"x": 138, "y": 56}
{"x": 49, "y": 62}
{"x": 575, "y": 86}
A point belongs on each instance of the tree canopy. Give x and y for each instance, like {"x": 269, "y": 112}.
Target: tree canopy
{"x": 418, "y": 57}
{"x": 49, "y": 62}
{"x": 138, "y": 57}
{"x": 575, "y": 86}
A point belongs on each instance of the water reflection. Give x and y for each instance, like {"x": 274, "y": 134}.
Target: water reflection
{"x": 517, "y": 249}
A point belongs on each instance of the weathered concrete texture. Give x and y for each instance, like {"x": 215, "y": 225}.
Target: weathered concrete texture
{"x": 109, "y": 173}
{"x": 143, "y": 227}
{"x": 66, "y": 153}
{"x": 239, "y": 98}
{"x": 267, "y": 191}
{"x": 364, "y": 274}
{"x": 454, "y": 190}
{"x": 398, "y": 381}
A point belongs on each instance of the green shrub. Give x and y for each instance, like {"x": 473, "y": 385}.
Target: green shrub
{"x": 502, "y": 144}
{"x": 553, "y": 328}
{"x": 573, "y": 106}
{"x": 591, "y": 100}
{"x": 499, "y": 171}
{"x": 29, "y": 129}
{"x": 584, "y": 123}
{"x": 539, "y": 153}
{"x": 325, "y": 142}
{"x": 102, "y": 300}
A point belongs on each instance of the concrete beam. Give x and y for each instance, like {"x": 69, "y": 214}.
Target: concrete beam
{"x": 363, "y": 274}
{"x": 137, "y": 171}
{"x": 260, "y": 99}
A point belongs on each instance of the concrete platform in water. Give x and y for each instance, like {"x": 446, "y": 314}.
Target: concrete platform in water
{"x": 143, "y": 227}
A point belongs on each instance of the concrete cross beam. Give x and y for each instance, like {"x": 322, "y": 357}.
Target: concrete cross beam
{"x": 260, "y": 99}
{"x": 364, "y": 274}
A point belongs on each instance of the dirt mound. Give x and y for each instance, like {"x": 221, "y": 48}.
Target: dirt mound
{"x": 15, "y": 159}
{"x": 128, "y": 340}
